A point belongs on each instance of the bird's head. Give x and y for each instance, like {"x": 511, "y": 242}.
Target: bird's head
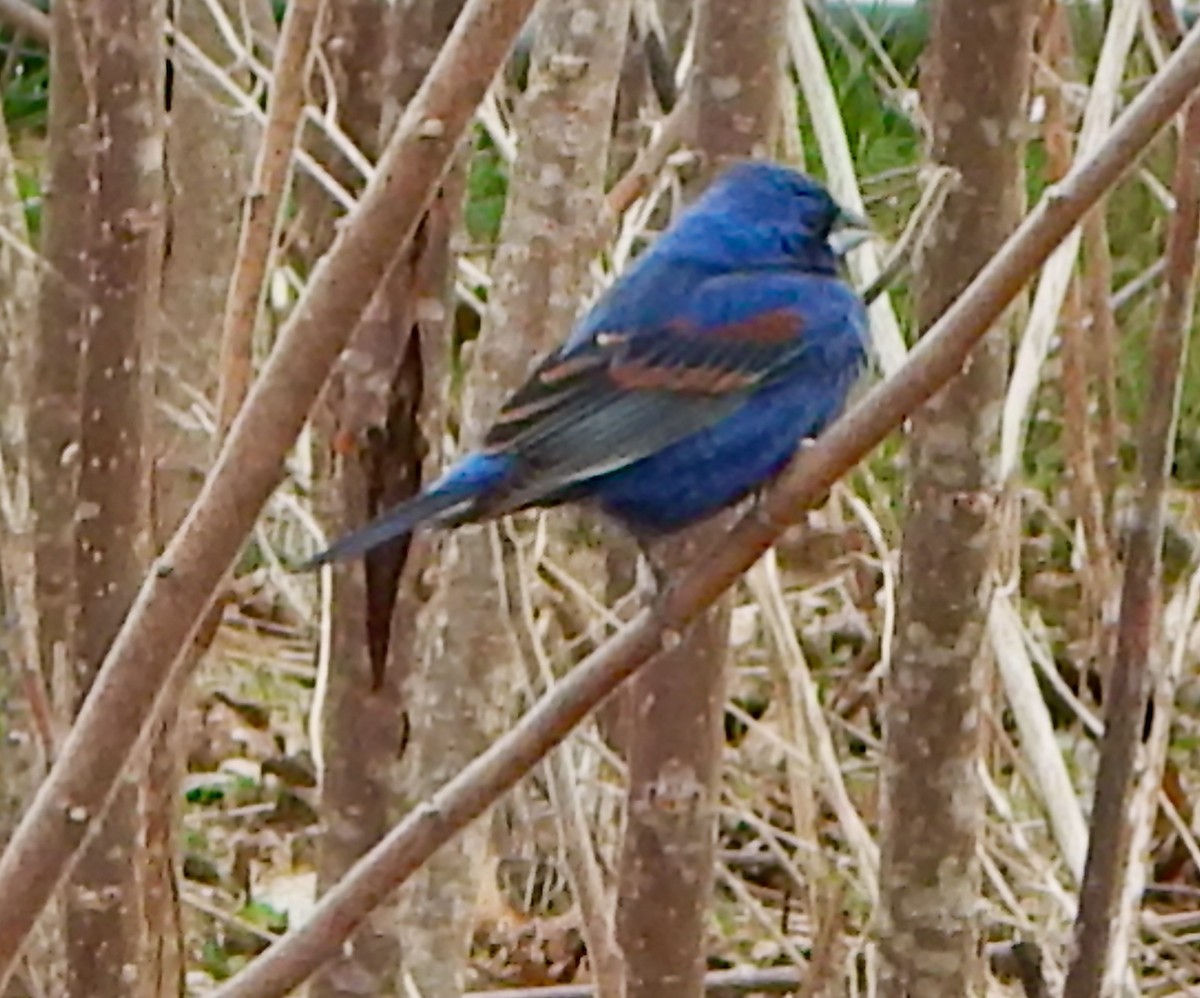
{"x": 772, "y": 215}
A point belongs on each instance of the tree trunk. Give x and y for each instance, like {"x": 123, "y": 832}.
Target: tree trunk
{"x": 209, "y": 151}
{"x": 122, "y": 62}
{"x": 26, "y": 717}
{"x": 677, "y": 731}
{"x": 54, "y": 389}
{"x": 459, "y": 700}
{"x": 58, "y": 354}
{"x": 382, "y": 423}
{"x": 933, "y": 805}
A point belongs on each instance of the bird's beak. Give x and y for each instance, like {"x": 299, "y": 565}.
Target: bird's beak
{"x": 850, "y": 231}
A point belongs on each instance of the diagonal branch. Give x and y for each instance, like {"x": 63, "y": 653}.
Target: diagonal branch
{"x": 24, "y": 17}
{"x": 1052, "y": 285}
{"x": 1131, "y": 680}
{"x": 939, "y": 356}
{"x": 260, "y": 219}
{"x": 179, "y": 590}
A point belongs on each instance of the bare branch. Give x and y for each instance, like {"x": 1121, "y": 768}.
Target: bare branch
{"x": 260, "y": 219}
{"x": 22, "y": 16}
{"x": 637, "y": 180}
{"x": 181, "y": 585}
{"x": 1052, "y": 284}
{"x": 939, "y": 356}
{"x": 1130, "y": 682}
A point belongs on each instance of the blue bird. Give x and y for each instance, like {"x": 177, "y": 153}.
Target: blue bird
{"x": 690, "y": 383}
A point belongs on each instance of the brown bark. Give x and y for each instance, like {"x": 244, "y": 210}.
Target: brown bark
{"x": 176, "y": 595}
{"x": 382, "y": 426}
{"x": 256, "y": 238}
{"x": 675, "y": 742}
{"x": 940, "y": 356}
{"x": 677, "y": 730}
{"x": 933, "y": 806}
{"x": 55, "y": 392}
{"x": 458, "y": 700}
{"x": 122, "y": 65}
{"x": 25, "y": 717}
{"x": 177, "y": 592}
{"x": 738, "y": 79}
{"x": 209, "y": 150}
{"x": 1093, "y": 971}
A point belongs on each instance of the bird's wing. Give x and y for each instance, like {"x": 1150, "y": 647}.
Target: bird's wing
{"x": 622, "y": 396}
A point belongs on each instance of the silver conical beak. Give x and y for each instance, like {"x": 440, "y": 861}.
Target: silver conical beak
{"x": 850, "y": 231}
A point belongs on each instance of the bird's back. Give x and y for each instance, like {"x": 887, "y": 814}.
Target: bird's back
{"x": 724, "y": 461}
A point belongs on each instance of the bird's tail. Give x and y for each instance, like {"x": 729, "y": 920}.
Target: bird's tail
{"x": 446, "y": 501}
{"x": 388, "y": 526}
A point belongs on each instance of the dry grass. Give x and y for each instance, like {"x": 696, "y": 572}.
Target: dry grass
{"x": 811, "y": 638}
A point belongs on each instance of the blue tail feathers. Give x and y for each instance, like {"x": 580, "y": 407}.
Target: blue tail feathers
{"x": 450, "y": 498}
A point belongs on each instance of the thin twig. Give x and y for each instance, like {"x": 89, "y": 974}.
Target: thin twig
{"x": 179, "y": 589}
{"x": 1097, "y": 278}
{"x": 260, "y": 219}
{"x": 916, "y": 232}
{"x": 937, "y": 358}
{"x": 1099, "y": 571}
{"x": 1148, "y": 794}
{"x": 562, "y": 779}
{"x": 817, "y": 87}
{"x": 1129, "y": 683}
{"x": 218, "y": 914}
{"x": 638, "y": 179}
{"x": 246, "y": 105}
{"x": 1052, "y": 286}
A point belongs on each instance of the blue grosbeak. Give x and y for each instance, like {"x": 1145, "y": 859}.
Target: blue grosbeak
{"x": 689, "y": 385}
